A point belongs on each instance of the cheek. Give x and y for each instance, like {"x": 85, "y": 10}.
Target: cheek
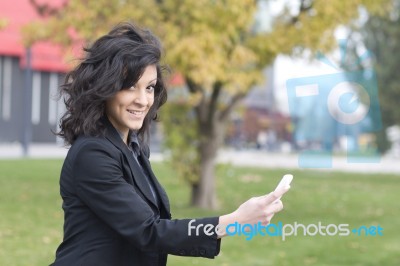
{"x": 151, "y": 100}
{"x": 115, "y": 106}
{"x": 121, "y": 103}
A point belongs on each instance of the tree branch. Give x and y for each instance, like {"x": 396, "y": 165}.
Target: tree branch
{"x": 305, "y": 5}
{"x": 228, "y": 109}
{"x": 45, "y": 10}
{"x": 214, "y": 100}
{"x": 200, "y": 108}
{"x": 193, "y": 87}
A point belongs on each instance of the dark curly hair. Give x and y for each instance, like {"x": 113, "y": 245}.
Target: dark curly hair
{"x": 114, "y": 62}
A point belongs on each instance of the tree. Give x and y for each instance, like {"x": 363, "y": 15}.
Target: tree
{"x": 380, "y": 35}
{"x": 3, "y": 23}
{"x": 216, "y": 48}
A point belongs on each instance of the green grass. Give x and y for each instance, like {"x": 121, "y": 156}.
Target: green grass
{"x": 31, "y": 216}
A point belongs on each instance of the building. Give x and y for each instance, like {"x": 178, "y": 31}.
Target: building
{"x": 29, "y": 109}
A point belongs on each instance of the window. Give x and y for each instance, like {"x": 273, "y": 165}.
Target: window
{"x": 60, "y": 112}
{"x": 6, "y": 75}
{"x": 1, "y": 84}
{"x": 53, "y": 85}
{"x": 36, "y": 89}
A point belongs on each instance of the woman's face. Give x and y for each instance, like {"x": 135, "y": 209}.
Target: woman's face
{"x": 128, "y": 108}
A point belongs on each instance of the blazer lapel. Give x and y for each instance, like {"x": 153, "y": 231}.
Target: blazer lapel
{"x": 137, "y": 174}
{"x": 159, "y": 188}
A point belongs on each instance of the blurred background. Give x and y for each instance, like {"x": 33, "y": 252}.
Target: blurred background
{"x": 235, "y": 120}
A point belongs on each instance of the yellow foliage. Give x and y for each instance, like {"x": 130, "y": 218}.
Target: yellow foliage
{"x": 213, "y": 44}
{"x": 209, "y": 41}
{"x": 3, "y": 23}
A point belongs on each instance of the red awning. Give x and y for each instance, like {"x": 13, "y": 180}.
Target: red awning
{"x": 45, "y": 55}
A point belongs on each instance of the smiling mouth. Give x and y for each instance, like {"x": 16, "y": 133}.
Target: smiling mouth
{"x": 136, "y": 112}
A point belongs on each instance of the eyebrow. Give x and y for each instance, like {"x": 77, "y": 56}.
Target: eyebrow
{"x": 151, "y": 81}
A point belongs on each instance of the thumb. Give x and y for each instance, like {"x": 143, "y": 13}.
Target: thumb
{"x": 275, "y": 195}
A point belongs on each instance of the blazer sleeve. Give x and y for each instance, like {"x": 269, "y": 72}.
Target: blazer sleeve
{"x": 101, "y": 186}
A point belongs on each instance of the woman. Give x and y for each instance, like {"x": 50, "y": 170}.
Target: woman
{"x": 116, "y": 212}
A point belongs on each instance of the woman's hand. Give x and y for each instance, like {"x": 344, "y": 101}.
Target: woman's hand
{"x": 257, "y": 209}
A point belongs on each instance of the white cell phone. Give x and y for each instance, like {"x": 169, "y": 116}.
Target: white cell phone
{"x": 285, "y": 181}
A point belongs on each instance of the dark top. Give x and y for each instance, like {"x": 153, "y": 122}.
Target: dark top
{"x": 111, "y": 216}
{"x": 134, "y": 146}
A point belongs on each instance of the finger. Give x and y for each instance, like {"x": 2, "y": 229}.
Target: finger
{"x": 265, "y": 219}
{"x": 277, "y": 206}
{"x": 268, "y": 219}
{"x": 275, "y": 195}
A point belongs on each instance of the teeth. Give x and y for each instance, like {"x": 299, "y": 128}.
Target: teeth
{"x": 135, "y": 112}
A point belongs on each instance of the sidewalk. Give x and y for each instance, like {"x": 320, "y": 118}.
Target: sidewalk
{"x": 251, "y": 158}
{"x": 15, "y": 151}
{"x": 290, "y": 161}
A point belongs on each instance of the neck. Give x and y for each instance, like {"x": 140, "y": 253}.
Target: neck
{"x": 124, "y": 136}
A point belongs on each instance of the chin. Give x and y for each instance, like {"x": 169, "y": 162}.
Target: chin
{"x": 136, "y": 126}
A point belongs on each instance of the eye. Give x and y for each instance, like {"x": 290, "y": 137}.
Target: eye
{"x": 151, "y": 88}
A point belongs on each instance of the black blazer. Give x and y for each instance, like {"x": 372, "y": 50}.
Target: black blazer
{"x": 110, "y": 215}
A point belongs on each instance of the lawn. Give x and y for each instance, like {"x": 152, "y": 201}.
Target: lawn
{"x": 31, "y": 215}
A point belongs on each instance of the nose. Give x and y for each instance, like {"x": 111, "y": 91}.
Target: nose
{"x": 141, "y": 97}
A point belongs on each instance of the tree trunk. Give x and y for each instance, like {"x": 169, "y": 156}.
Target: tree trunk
{"x": 204, "y": 192}
{"x": 211, "y": 123}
